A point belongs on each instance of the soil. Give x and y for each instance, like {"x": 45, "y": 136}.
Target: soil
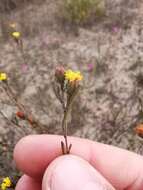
{"x": 108, "y": 107}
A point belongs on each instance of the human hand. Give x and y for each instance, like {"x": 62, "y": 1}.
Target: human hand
{"x": 95, "y": 166}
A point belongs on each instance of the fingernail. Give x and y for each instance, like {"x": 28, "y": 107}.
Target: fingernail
{"x": 73, "y": 173}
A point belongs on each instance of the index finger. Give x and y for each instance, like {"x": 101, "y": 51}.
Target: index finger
{"x": 123, "y": 169}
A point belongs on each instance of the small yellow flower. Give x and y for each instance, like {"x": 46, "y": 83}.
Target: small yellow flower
{"x": 3, "y": 76}
{"x": 16, "y": 35}
{"x": 6, "y": 183}
{"x": 73, "y": 75}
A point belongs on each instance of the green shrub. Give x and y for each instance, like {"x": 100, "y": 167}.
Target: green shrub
{"x": 78, "y": 11}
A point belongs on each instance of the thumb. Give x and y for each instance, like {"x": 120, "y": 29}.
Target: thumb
{"x": 73, "y": 173}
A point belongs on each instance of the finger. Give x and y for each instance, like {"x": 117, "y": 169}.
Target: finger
{"x": 70, "y": 172}
{"x": 122, "y": 168}
{"x": 28, "y": 183}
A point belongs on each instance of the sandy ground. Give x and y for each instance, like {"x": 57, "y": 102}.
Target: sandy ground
{"x": 110, "y": 104}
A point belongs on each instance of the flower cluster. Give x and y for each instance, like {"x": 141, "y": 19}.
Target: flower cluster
{"x": 69, "y": 81}
{"x": 67, "y": 77}
{"x": 6, "y": 183}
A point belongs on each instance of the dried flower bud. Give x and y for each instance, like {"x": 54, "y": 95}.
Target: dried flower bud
{"x": 139, "y": 130}
{"x": 21, "y": 115}
{"x": 59, "y": 74}
{"x": 12, "y": 25}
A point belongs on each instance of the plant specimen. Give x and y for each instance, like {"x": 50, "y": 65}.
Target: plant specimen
{"x": 66, "y": 88}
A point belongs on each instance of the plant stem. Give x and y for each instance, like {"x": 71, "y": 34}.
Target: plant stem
{"x": 65, "y": 147}
{"x": 64, "y": 126}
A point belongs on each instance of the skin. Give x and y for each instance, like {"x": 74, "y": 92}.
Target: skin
{"x": 122, "y": 169}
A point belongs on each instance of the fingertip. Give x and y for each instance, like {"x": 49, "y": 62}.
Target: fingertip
{"x": 72, "y": 172}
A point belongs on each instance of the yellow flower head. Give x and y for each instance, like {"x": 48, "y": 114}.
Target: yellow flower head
{"x": 72, "y": 76}
{"x": 6, "y": 183}
{"x": 3, "y": 76}
{"x": 16, "y": 35}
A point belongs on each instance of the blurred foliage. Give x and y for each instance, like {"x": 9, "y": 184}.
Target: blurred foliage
{"x": 78, "y": 11}
{"x": 9, "y": 5}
